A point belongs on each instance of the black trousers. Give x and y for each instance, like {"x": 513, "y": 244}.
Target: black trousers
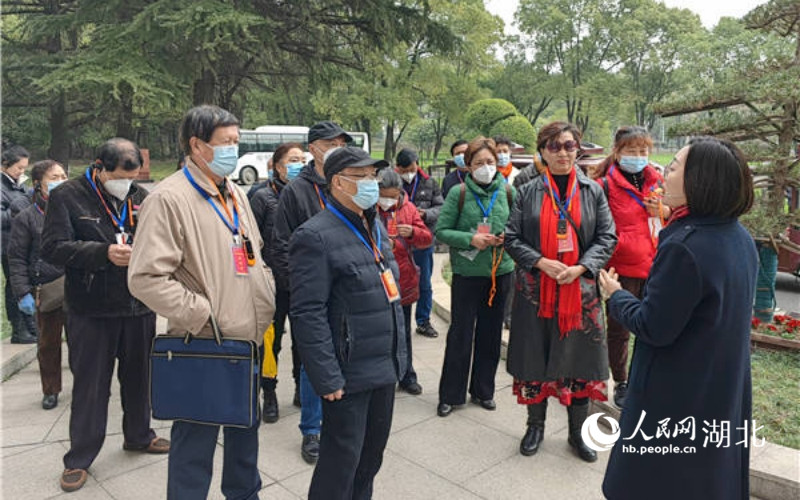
{"x": 355, "y": 430}
{"x": 473, "y": 338}
{"x": 279, "y": 320}
{"x": 191, "y": 461}
{"x": 411, "y": 375}
{"x": 94, "y": 345}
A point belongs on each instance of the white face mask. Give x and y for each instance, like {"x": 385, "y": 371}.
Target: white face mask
{"x": 21, "y": 179}
{"x": 387, "y": 203}
{"x": 408, "y": 177}
{"x": 118, "y": 188}
{"x": 484, "y": 174}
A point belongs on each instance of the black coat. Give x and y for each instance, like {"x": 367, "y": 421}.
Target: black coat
{"x": 13, "y": 199}
{"x": 77, "y": 233}
{"x": 298, "y": 203}
{"x": 454, "y": 178}
{"x": 264, "y": 203}
{"x": 692, "y": 359}
{"x": 427, "y": 197}
{"x": 27, "y": 269}
{"x": 348, "y": 334}
{"x": 597, "y": 226}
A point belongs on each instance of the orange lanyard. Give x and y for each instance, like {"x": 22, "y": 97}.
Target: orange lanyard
{"x": 320, "y": 197}
{"x": 118, "y": 221}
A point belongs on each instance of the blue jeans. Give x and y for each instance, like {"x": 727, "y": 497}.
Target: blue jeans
{"x": 191, "y": 459}
{"x": 424, "y": 259}
{"x": 310, "y": 406}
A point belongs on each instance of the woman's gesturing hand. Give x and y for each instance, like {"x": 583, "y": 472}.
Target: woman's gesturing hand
{"x": 609, "y": 282}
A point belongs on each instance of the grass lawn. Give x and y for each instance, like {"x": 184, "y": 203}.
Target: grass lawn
{"x": 159, "y": 169}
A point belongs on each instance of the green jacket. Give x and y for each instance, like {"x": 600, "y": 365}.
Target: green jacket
{"x": 457, "y": 229}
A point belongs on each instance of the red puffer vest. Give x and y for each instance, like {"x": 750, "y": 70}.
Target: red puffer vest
{"x": 421, "y": 237}
{"x": 636, "y": 249}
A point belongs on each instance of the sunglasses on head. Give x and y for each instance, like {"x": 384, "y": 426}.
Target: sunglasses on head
{"x": 555, "y": 146}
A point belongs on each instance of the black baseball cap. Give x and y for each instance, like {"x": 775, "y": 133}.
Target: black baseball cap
{"x": 327, "y": 130}
{"x": 406, "y": 157}
{"x": 350, "y": 156}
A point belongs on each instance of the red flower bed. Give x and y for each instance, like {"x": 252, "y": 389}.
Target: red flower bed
{"x": 782, "y": 326}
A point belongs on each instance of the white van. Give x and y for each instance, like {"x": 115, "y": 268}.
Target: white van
{"x": 257, "y": 146}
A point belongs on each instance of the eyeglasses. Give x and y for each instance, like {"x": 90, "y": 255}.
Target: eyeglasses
{"x": 555, "y": 146}
{"x": 350, "y": 177}
{"x": 486, "y": 164}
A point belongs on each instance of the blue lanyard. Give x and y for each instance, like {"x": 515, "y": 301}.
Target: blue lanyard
{"x": 376, "y": 253}
{"x": 233, "y": 228}
{"x": 554, "y": 194}
{"x": 460, "y": 179}
{"x": 120, "y": 222}
{"x": 414, "y": 190}
{"x": 486, "y": 211}
{"x": 630, "y": 193}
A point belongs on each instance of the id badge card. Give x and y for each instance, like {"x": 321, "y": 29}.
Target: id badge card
{"x": 389, "y": 286}
{"x": 484, "y": 228}
{"x": 565, "y": 242}
{"x": 239, "y": 260}
{"x": 391, "y": 227}
{"x": 122, "y": 238}
{"x": 655, "y": 226}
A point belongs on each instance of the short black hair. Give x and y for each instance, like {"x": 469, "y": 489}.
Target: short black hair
{"x": 501, "y": 139}
{"x": 457, "y": 144}
{"x": 119, "y": 152}
{"x": 716, "y": 178}
{"x": 14, "y": 154}
{"x": 202, "y": 121}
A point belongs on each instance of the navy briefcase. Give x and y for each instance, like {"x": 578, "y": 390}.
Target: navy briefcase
{"x": 211, "y": 381}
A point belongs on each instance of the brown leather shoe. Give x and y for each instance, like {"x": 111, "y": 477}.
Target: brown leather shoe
{"x": 73, "y": 479}
{"x": 157, "y": 446}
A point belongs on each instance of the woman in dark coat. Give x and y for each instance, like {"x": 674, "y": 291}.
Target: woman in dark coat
{"x": 690, "y": 375}
{"x": 560, "y": 234}
{"x": 29, "y": 273}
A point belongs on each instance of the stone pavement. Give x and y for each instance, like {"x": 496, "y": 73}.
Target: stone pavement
{"x": 471, "y": 454}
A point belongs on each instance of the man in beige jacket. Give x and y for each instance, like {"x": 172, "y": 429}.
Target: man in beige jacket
{"x": 197, "y": 253}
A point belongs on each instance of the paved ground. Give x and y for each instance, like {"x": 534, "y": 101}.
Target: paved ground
{"x": 471, "y": 454}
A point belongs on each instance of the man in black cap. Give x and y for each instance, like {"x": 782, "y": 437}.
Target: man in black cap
{"x": 423, "y": 191}
{"x": 303, "y": 198}
{"x": 348, "y": 322}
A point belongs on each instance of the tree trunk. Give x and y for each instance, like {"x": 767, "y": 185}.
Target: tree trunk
{"x": 389, "y": 146}
{"x": 125, "y": 117}
{"x": 204, "y": 88}
{"x": 59, "y": 132}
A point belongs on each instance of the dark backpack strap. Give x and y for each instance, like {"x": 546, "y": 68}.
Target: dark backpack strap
{"x": 605, "y": 186}
{"x": 462, "y": 194}
{"x": 509, "y": 196}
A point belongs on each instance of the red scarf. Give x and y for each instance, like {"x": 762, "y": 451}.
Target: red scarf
{"x": 569, "y": 296}
{"x": 506, "y": 171}
{"x": 678, "y": 213}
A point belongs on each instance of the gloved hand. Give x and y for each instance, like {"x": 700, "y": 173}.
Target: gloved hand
{"x": 27, "y": 305}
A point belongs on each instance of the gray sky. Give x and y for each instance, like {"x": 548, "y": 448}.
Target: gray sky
{"x": 709, "y": 11}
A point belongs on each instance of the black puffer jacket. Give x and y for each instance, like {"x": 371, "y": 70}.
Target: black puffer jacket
{"x": 77, "y": 233}
{"x": 264, "y": 203}
{"x": 427, "y": 196}
{"x": 298, "y": 203}
{"x": 596, "y": 228}
{"x": 27, "y": 268}
{"x": 348, "y": 334}
{"x": 13, "y": 198}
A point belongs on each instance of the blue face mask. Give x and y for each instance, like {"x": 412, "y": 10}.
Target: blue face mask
{"x": 293, "y": 170}
{"x": 52, "y": 185}
{"x": 503, "y": 159}
{"x": 459, "y": 161}
{"x": 633, "y": 164}
{"x": 225, "y": 159}
{"x": 367, "y": 194}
